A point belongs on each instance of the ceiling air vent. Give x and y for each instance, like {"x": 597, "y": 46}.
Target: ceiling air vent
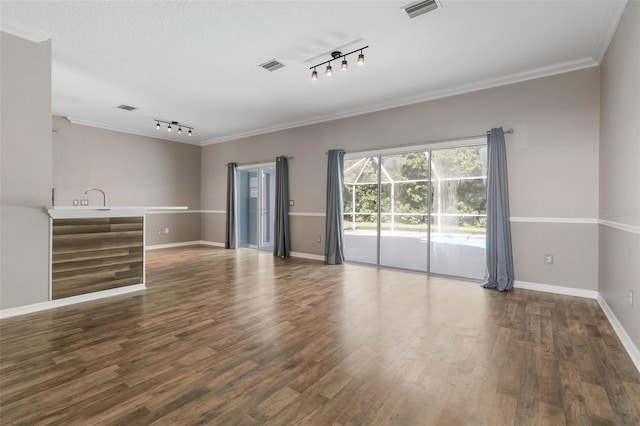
{"x": 272, "y": 65}
{"x": 417, "y": 9}
{"x": 126, "y": 107}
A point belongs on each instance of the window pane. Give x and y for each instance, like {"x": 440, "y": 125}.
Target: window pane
{"x": 441, "y": 191}
{"x": 459, "y": 212}
{"x": 361, "y": 209}
{"x": 404, "y": 202}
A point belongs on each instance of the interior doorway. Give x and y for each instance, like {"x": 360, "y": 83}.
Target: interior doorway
{"x": 255, "y": 188}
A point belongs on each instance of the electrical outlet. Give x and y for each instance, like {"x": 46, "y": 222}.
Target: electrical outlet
{"x": 631, "y": 297}
{"x": 84, "y": 202}
{"x": 76, "y": 202}
{"x": 548, "y": 259}
{"x": 291, "y": 203}
{"x": 159, "y": 231}
{"x": 166, "y": 230}
{"x": 319, "y": 239}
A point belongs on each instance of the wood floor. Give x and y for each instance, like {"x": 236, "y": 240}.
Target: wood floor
{"x": 236, "y": 337}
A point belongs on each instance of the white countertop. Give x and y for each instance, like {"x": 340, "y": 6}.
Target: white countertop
{"x": 117, "y": 208}
{"x": 77, "y": 212}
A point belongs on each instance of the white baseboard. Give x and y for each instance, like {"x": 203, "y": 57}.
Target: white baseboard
{"x": 36, "y": 307}
{"x": 216, "y": 244}
{"x": 184, "y": 244}
{"x": 556, "y": 289}
{"x": 307, "y": 256}
{"x": 170, "y": 245}
{"x": 210, "y": 243}
{"x": 632, "y": 349}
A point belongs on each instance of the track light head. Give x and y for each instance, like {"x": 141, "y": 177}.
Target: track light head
{"x": 172, "y": 124}
{"x": 335, "y": 56}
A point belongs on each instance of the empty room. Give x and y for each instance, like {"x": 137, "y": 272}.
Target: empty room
{"x": 320, "y": 212}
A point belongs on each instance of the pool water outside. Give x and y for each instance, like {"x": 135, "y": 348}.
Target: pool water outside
{"x": 460, "y": 255}
{"x": 460, "y": 239}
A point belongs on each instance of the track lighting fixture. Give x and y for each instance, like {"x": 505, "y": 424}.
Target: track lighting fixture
{"x": 173, "y": 123}
{"x": 334, "y": 57}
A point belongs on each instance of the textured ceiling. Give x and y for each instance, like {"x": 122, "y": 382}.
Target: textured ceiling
{"x": 197, "y": 61}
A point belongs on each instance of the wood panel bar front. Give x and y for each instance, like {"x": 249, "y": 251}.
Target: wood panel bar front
{"x": 95, "y": 254}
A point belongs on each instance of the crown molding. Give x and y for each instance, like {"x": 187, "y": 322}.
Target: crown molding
{"x": 24, "y": 31}
{"x": 547, "y": 71}
{"x": 607, "y": 29}
{"x": 104, "y": 126}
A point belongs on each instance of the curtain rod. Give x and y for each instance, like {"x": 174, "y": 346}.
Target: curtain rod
{"x": 506, "y": 132}
{"x": 258, "y": 162}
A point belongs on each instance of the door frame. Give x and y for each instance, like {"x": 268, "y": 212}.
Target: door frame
{"x": 427, "y": 149}
{"x": 259, "y": 210}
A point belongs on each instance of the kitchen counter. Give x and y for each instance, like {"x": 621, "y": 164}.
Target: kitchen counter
{"x": 98, "y": 251}
{"x": 77, "y": 212}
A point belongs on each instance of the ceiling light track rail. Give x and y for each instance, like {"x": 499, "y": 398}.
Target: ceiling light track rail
{"x": 336, "y": 55}
{"x": 176, "y": 124}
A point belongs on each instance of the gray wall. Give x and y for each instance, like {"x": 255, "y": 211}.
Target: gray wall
{"x": 567, "y": 143}
{"x": 553, "y": 165}
{"x": 25, "y": 152}
{"x": 133, "y": 171}
{"x": 619, "y": 253}
{"x": 182, "y": 226}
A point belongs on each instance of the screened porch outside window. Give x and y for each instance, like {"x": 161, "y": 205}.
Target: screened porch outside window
{"x": 431, "y": 207}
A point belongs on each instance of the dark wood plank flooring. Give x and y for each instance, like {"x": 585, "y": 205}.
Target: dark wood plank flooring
{"x": 239, "y": 337}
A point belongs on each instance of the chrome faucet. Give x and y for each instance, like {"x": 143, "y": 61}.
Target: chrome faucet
{"x": 104, "y": 196}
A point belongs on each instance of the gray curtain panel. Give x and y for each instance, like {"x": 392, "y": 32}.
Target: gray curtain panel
{"x": 282, "y": 238}
{"x": 230, "y": 222}
{"x": 499, "y": 273}
{"x": 334, "y": 245}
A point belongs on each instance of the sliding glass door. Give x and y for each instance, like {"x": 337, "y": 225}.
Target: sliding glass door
{"x": 256, "y": 202}
{"x": 361, "y": 209}
{"x": 459, "y": 212}
{"x": 405, "y": 211}
{"x": 423, "y": 210}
